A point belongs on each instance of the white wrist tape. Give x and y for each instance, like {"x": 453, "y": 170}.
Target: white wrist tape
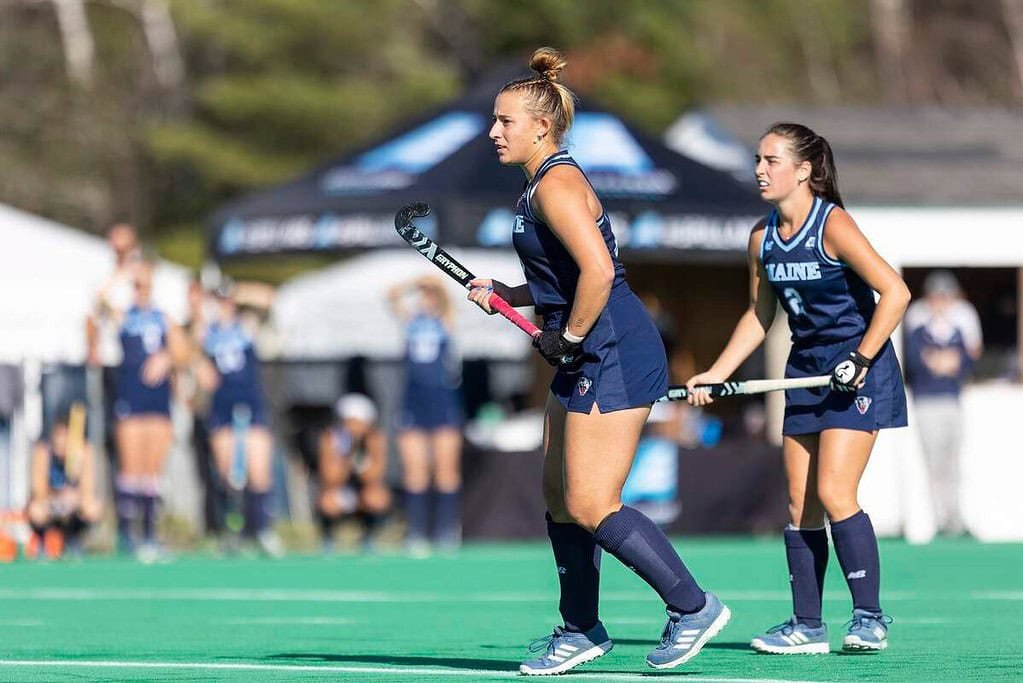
{"x": 571, "y": 337}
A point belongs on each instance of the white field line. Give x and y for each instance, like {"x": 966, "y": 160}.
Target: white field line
{"x": 392, "y": 672}
{"x": 280, "y": 621}
{"x": 339, "y": 596}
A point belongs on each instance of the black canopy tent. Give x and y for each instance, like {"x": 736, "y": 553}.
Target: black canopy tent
{"x": 662, "y": 204}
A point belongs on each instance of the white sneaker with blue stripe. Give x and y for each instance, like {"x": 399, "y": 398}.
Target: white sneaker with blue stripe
{"x": 564, "y": 650}
{"x": 685, "y": 634}
{"x": 868, "y": 632}
{"x": 793, "y": 638}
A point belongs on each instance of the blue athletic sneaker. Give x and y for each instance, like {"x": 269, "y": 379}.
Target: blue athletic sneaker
{"x": 868, "y": 632}
{"x": 564, "y": 650}
{"x": 793, "y": 638}
{"x": 685, "y": 634}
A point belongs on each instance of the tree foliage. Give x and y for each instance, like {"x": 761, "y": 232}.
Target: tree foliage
{"x": 273, "y": 87}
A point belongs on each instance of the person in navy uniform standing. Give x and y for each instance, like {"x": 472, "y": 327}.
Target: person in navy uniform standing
{"x": 152, "y": 346}
{"x": 430, "y": 436}
{"x": 809, "y": 255}
{"x": 611, "y": 367}
{"x": 238, "y": 416}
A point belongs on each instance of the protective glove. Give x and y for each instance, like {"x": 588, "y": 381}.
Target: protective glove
{"x": 557, "y": 350}
{"x": 850, "y": 374}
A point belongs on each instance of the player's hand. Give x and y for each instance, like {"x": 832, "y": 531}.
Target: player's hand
{"x": 850, "y": 374}
{"x": 556, "y": 350}
{"x": 156, "y": 369}
{"x": 702, "y": 397}
{"x": 483, "y": 288}
{"x": 207, "y": 377}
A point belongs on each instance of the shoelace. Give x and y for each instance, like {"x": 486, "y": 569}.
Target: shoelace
{"x": 861, "y": 621}
{"x": 667, "y": 636}
{"x": 786, "y": 628}
{"x": 547, "y": 642}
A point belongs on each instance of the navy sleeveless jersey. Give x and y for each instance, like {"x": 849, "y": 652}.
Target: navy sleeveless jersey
{"x": 826, "y": 301}
{"x": 58, "y": 472}
{"x": 550, "y": 270}
{"x": 143, "y": 333}
{"x": 427, "y": 353}
{"x": 233, "y": 354}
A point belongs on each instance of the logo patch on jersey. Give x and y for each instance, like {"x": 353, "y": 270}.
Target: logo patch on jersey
{"x": 584, "y": 385}
{"x": 768, "y": 245}
{"x": 863, "y": 404}
{"x": 810, "y": 241}
{"x": 520, "y": 224}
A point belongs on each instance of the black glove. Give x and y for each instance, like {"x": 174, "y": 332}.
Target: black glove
{"x": 502, "y": 290}
{"x": 850, "y": 373}
{"x": 557, "y": 350}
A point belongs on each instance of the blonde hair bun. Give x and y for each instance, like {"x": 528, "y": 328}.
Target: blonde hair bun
{"x": 547, "y": 62}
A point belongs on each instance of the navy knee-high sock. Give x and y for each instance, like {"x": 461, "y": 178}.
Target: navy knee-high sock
{"x": 577, "y": 558}
{"x": 807, "y": 554}
{"x": 641, "y": 546}
{"x": 146, "y": 503}
{"x": 447, "y": 517}
{"x": 257, "y": 512}
{"x": 125, "y": 500}
{"x": 417, "y": 507}
{"x": 856, "y": 547}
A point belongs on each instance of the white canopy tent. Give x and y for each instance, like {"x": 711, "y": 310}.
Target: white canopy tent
{"x": 49, "y": 274}
{"x": 342, "y": 310}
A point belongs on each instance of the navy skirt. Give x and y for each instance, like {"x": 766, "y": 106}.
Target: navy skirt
{"x": 879, "y": 404}
{"x": 222, "y": 409}
{"x": 430, "y": 408}
{"x": 623, "y": 366}
{"x": 135, "y": 399}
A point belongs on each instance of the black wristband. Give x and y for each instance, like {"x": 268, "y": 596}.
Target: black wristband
{"x": 860, "y": 359}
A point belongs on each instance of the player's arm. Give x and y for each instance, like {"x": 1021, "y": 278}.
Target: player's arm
{"x": 482, "y": 287}
{"x": 376, "y": 456}
{"x": 751, "y": 330}
{"x": 334, "y": 469}
{"x": 562, "y": 204}
{"x": 843, "y": 241}
{"x": 40, "y": 472}
{"x": 178, "y": 346}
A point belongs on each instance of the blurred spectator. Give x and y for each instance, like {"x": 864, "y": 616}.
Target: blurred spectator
{"x": 942, "y": 343}
{"x": 197, "y": 398}
{"x": 238, "y": 422}
{"x": 652, "y": 484}
{"x": 62, "y": 502}
{"x": 151, "y": 346}
{"x": 430, "y": 440}
{"x": 664, "y": 322}
{"x": 113, "y": 298}
{"x": 352, "y": 470}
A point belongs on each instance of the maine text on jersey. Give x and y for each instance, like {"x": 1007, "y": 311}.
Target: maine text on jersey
{"x": 788, "y": 272}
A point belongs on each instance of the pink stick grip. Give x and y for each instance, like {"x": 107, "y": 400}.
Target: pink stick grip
{"x": 502, "y": 307}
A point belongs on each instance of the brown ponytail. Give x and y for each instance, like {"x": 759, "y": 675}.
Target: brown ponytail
{"x": 806, "y": 145}
{"x": 543, "y": 95}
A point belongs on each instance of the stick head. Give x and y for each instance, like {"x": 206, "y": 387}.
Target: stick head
{"x": 403, "y": 219}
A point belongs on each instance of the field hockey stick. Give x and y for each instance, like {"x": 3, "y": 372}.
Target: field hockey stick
{"x": 75, "y": 449}
{"x": 752, "y": 386}
{"x": 440, "y": 258}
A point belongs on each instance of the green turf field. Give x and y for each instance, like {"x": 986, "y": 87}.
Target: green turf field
{"x": 957, "y": 609}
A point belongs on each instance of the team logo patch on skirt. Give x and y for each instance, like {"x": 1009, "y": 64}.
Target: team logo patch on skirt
{"x": 863, "y": 404}
{"x": 584, "y": 385}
